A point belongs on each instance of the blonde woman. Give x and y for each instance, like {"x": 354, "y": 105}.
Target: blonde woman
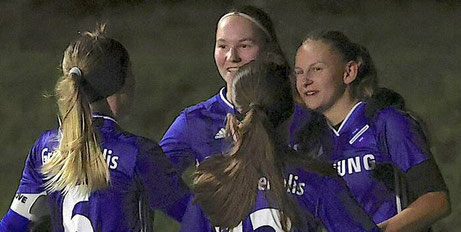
{"x": 93, "y": 175}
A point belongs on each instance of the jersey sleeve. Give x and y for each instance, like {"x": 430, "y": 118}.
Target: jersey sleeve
{"x": 338, "y": 210}
{"x": 403, "y": 139}
{"x": 160, "y": 180}
{"x": 175, "y": 143}
{"x": 195, "y": 220}
{"x": 406, "y": 144}
{"x": 29, "y": 191}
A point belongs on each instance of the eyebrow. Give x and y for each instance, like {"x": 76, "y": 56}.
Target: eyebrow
{"x": 317, "y": 62}
{"x": 240, "y": 41}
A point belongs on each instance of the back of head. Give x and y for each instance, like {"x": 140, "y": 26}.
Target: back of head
{"x": 103, "y": 61}
{"x": 226, "y": 185}
{"x": 94, "y": 67}
{"x": 366, "y": 81}
{"x": 264, "y": 85}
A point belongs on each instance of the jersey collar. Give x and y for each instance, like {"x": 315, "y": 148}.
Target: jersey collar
{"x": 222, "y": 96}
{"x": 108, "y": 121}
{"x": 223, "y": 102}
{"x": 346, "y": 120}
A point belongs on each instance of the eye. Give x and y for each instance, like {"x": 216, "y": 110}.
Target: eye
{"x": 246, "y": 46}
{"x": 298, "y": 72}
{"x": 221, "y": 46}
{"x": 316, "y": 69}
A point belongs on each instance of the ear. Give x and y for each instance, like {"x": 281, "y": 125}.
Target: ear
{"x": 350, "y": 72}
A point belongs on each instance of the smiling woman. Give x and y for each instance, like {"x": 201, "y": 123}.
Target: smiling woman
{"x": 336, "y": 77}
{"x": 242, "y": 35}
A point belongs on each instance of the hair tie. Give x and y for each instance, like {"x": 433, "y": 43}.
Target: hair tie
{"x": 249, "y": 18}
{"x": 76, "y": 71}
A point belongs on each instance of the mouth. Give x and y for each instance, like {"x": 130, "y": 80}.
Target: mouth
{"x": 310, "y": 93}
{"x": 232, "y": 69}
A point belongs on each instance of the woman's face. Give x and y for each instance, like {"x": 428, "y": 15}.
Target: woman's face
{"x": 319, "y": 73}
{"x": 238, "y": 41}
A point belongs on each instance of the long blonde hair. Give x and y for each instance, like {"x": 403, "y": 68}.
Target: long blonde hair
{"x": 102, "y": 65}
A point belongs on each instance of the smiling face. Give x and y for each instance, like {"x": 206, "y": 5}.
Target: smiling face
{"x": 320, "y": 72}
{"x": 238, "y": 41}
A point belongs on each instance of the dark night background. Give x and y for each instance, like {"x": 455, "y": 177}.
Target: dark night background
{"x": 415, "y": 46}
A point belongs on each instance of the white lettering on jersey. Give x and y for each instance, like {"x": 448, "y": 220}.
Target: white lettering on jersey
{"x": 112, "y": 160}
{"x": 292, "y": 185}
{"x": 354, "y": 164}
{"x": 46, "y": 155}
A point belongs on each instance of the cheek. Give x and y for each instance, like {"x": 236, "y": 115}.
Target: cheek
{"x": 219, "y": 58}
{"x": 249, "y": 55}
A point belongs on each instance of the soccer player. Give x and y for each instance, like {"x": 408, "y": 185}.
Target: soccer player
{"x": 261, "y": 184}
{"x": 382, "y": 156}
{"x": 90, "y": 173}
{"x": 198, "y": 132}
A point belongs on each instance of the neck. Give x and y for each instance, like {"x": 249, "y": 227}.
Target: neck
{"x": 340, "y": 109}
{"x": 102, "y": 107}
{"x": 229, "y": 93}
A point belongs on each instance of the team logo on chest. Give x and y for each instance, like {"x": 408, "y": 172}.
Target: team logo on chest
{"x": 221, "y": 134}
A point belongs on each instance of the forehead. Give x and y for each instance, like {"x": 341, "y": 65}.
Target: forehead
{"x": 316, "y": 51}
{"x": 237, "y": 28}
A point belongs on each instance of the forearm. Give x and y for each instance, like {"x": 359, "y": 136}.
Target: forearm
{"x": 421, "y": 214}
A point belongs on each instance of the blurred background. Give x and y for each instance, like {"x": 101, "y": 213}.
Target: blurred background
{"x": 415, "y": 46}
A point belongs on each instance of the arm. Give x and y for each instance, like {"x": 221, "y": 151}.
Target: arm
{"x": 160, "y": 181}
{"x": 175, "y": 144}
{"x": 420, "y": 214}
{"x": 407, "y": 146}
{"x": 29, "y": 202}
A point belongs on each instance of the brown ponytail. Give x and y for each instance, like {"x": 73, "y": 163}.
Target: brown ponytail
{"x": 226, "y": 186}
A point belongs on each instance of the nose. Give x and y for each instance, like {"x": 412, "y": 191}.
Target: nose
{"x": 305, "y": 80}
{"x": 233, "y": 56}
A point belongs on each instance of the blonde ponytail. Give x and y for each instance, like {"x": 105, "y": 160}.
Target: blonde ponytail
{"x": 78, "y": 160}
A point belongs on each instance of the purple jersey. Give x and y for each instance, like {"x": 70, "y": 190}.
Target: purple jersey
{"x": 198, "y": 132}
{"x": 361, "y": 144}
{"x": 139, "y": 173}
{"x": 322, "y": 200}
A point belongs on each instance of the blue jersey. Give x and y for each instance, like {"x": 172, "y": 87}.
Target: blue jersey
{"x": 325, "y": 199}
{"x": 198, "y": 132}
{"x": 139, "y": 173}
{"x": 361, "y": 145}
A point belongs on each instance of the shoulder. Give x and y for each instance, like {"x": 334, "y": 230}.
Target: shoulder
{"x": 394, "y": 119}
{"x": 209, "y": 105}
{"x": 46, "y": 142}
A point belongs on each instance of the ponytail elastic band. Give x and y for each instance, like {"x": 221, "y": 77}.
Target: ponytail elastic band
{"x": 76, "y": 71}
{"x": 249, "y": 18}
